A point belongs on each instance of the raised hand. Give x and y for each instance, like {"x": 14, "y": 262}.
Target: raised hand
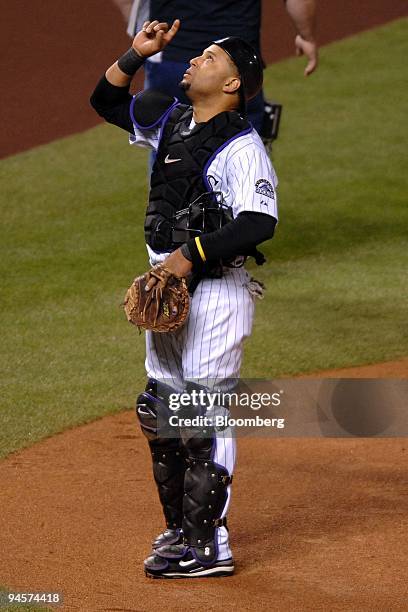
{"x": 154, "y": 36}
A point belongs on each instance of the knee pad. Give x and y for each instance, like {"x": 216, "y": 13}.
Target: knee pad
{"x": 198, "y": 439}
{"x": 153, "y": 412}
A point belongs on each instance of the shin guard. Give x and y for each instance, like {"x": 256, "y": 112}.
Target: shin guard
{"x": 168, "y": 457}
{"x": 206, "y": 485}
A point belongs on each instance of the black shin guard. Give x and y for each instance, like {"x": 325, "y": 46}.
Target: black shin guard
{"x": 205, "y": 495}
{"x": 169, "y": 464}
{"x": 205, "y": 492}
{"x": 168, "y": 470}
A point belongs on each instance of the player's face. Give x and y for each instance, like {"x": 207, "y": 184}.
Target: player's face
{"x": 210, "y": 74}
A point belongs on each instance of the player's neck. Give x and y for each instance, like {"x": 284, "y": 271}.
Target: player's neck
{"x": 202, "y": 111}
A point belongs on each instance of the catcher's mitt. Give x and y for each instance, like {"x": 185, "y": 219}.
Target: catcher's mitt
{"x": 162, "y": 309}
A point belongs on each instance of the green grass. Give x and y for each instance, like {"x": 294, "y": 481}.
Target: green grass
{"x": 72, "y": 240}
{"x": 24, "y": 608}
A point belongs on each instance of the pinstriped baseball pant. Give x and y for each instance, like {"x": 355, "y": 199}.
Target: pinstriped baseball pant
{"x": 208, "y": 350}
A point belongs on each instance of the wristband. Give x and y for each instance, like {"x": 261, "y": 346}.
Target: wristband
{"x": 200, "y": 248}
{"x": 195, "y": 255}
{"x": 185, "y": 251}
{"x": 130, "y": 62}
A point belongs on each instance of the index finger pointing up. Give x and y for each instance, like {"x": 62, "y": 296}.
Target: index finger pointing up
{"x": 173, "y": 30}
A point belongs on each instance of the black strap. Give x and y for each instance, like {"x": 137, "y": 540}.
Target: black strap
{"x": 258, "y": 256}
{"x": 220, "y": 522}
{"x": 226, "y": 480}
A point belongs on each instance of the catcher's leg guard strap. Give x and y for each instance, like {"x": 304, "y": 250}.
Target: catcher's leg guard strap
{"x": 168, "y": 457}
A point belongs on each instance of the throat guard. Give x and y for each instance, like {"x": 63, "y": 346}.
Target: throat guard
{"x": 179, "y": 173}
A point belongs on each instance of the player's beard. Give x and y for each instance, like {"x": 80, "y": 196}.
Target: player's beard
{"x": 184, "y": 85}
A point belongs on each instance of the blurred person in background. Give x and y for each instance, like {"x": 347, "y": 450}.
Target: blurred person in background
{"x": 214, "y": 19}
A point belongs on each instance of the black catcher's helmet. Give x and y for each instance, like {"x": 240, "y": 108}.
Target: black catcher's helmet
{"x": 249, "y": 66}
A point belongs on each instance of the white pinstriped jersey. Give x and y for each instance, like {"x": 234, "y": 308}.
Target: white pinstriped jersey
{"x": 242, "y": 171}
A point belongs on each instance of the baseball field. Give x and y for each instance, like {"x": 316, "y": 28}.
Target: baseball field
{"x": 76, "y": 507}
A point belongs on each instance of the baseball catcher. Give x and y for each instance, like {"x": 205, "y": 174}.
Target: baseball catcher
{"x": 212, "y": 201}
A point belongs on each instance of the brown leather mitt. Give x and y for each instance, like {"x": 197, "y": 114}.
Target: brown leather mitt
{"x": 162, "y": 309}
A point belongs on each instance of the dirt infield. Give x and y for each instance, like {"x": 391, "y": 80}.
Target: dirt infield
{"x": 389, "y": 369}
{"x": 54, "y": 51}
{"x": 316, "y": 524}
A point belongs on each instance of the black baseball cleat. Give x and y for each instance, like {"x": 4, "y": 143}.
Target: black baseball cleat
{"x": 179, "y": 561}
{"x": 168, "y": 536}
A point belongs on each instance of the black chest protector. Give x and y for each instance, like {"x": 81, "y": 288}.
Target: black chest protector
{"x": 179, "y": 173}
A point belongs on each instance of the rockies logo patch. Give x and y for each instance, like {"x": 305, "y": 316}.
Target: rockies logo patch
{"x": 263, "y": 187}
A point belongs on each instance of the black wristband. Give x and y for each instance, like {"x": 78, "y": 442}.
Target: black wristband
{"x": 130, "y": 62}
{"x": 195, "y": 256}
{"x": 185, "y": 251}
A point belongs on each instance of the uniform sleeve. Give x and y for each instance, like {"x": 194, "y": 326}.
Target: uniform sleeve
{"x": 112, "y": 103}
{"x": 239, "y": 237}
{"x": 252, "y": 181}
{"x": 145, "y": 138}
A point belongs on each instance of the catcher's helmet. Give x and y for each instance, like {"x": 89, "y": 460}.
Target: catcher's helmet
{"x": 249, "y": 66}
